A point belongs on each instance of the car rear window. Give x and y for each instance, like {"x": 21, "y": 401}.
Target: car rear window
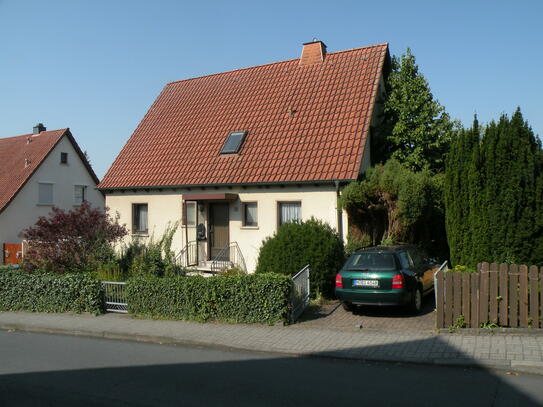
{"x": 372, "y": 261}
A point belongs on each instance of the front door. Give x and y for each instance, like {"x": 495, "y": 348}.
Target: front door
{"x": 218, "y": 231}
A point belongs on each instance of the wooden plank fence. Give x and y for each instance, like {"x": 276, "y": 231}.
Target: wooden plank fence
{"x": 506, "y": 295}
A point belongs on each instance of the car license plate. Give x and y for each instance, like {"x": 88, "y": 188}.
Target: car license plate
{"x": 366, "y": 283}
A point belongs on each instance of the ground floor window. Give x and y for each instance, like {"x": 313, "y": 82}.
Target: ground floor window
{"x": 139, "y": 218}
{"x": 289, "y": 212}
{"x": 250, "y": 214}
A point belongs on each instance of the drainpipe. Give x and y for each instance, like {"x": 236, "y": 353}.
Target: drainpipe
{"x": 339, "y": 212}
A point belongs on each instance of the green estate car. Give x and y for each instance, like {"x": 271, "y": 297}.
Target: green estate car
{"x": 386, "y": 275}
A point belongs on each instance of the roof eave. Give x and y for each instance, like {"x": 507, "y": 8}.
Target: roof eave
{"x": 226, "y": 185}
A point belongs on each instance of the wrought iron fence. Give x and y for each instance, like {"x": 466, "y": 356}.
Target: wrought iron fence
{"x": 114, "y": 296}
{"x": 300, "y": 292}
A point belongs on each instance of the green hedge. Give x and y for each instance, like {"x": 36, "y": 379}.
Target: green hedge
{"x": 20, "y": 291}
{"x": 248, "y": 298}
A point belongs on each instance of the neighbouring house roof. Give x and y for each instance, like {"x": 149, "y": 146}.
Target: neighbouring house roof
{"x": 21, "y": 156}
{"x": 305, "y": 121}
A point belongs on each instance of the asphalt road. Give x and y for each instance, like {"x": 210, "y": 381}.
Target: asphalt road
{"x": 49, "y": 370}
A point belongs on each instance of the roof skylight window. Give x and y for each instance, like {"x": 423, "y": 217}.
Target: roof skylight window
{"x": 233, "y": 142}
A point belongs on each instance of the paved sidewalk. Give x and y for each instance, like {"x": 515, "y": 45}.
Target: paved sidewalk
{"x": 522, "y": 352}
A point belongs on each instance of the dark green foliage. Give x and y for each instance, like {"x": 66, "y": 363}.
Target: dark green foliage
{"x": 44, "y": 292}
{"x": 416, "y": 129}
{"x": 261, "y": 298}
{"x": 152, "y": 258}
{"x": 493, "y": 194}
{"x": 297, "y": 244}
{"x": 393, "y": 204}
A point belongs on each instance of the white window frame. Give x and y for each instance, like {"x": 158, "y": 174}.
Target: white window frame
{"x": 52, "y": 202}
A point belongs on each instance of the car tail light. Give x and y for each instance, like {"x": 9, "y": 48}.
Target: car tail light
{"x": 339, "y": 280}
{"x": 397, "y": 281}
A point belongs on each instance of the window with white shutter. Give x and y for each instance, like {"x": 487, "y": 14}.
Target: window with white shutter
{"x": 45, "y": 193}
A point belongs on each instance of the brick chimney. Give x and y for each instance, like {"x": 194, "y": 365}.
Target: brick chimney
{"x": 313, "y": 53}
{"x": 38, "y": 128}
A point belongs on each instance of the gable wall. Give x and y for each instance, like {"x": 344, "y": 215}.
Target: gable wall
{"x": 24, "y": 210}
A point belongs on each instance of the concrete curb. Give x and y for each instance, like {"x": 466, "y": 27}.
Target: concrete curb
{"x": 516, "y": 366}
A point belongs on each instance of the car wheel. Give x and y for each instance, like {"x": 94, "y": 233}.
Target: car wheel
{"x": 347, "y": 306}
{"x": 416, "y": 301}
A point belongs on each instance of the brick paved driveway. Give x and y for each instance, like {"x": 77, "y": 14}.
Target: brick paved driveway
{"x": 333, "y": 316}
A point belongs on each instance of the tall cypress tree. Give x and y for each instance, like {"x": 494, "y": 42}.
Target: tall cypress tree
{"x": 493, "y": 194}
{"x": 457, "y": 190}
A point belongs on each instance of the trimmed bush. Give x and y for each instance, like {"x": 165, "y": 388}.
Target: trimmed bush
{"x": 297, "y": 244}
{"x": 249, "y": 298}
{"x": 50, "y": 292}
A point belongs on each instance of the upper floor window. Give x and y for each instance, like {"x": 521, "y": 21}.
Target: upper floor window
{"x": 80, "y": 194}
{"x": 250, "y": 214}
{"x": 290, "y": 212}
{"x": 45, "y": 193}
{"x": 139, "y": 218}
{"x": 64, "y": 158}
{"x": 233, "y": 142}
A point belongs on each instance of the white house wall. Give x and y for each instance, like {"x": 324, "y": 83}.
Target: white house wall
{"x": 24, "y": 210}
{"x": 165, "y": 207}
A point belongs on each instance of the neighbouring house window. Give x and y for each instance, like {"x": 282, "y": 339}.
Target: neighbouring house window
{"x": 64, "y": 158}
{"x": 250, "y": 214}
{"x": 139, "y": 218}
{"x": 80, "y": 194}
{"x": 189, "y": 213}
{"x": 290, "y": 212}
{"x": 45, "y": 193}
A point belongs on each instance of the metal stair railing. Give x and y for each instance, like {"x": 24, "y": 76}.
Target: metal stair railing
{"x": 229, "y": 256}
{"x": 188, "y": 256}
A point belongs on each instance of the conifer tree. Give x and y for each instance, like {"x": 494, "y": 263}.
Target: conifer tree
{"x": 416, "y": 130}
{"x": 495, "y": 214}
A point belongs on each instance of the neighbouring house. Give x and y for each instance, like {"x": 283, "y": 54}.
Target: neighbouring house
{"x": 231, "y": 156}
{"x": 38, "y": 171}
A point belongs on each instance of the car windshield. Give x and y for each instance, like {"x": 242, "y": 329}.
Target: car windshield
{"x": 371, "y": 261}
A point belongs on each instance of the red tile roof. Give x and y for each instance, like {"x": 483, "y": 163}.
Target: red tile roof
{"x": 21, "y": 156}
{"x": 303, "y": 123}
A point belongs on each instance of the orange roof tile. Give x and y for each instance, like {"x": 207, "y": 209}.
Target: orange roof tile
{"x": 304, "y": 123}
{"x": 21, "y": 156}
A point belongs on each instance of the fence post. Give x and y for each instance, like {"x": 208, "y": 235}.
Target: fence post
{"x": 534, "y": 296}
{"x": 504, "y": 296}
{"x": 523, "y": 297}
{"x": 439, "y": 299}
{"x": 493, "y": 293}
{"x": 513, "y": 298}
{"x": 483, "y": 296}
{"x": 474, "y": 322}
{"x": 465, "y": 297}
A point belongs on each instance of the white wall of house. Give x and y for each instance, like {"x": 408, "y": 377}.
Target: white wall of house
{"x": 165, "y": 207}
{"x": 25, "y": 208}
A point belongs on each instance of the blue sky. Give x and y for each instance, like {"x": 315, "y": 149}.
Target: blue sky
{"x": 96, "y": 66}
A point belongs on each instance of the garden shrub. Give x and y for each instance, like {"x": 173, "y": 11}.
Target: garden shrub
{"x": 48, "y": 292}
{"x": 72, "y": 241}
{"x": 248, "y": 298}
{"x": 297, "y": 244}
{"x": 151, "y": 258}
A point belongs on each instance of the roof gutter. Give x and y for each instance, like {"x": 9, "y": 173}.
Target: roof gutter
{"x": 244, "y": 184}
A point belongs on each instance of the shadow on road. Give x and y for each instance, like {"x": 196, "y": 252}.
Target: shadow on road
{"x": 72, "y": 371}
